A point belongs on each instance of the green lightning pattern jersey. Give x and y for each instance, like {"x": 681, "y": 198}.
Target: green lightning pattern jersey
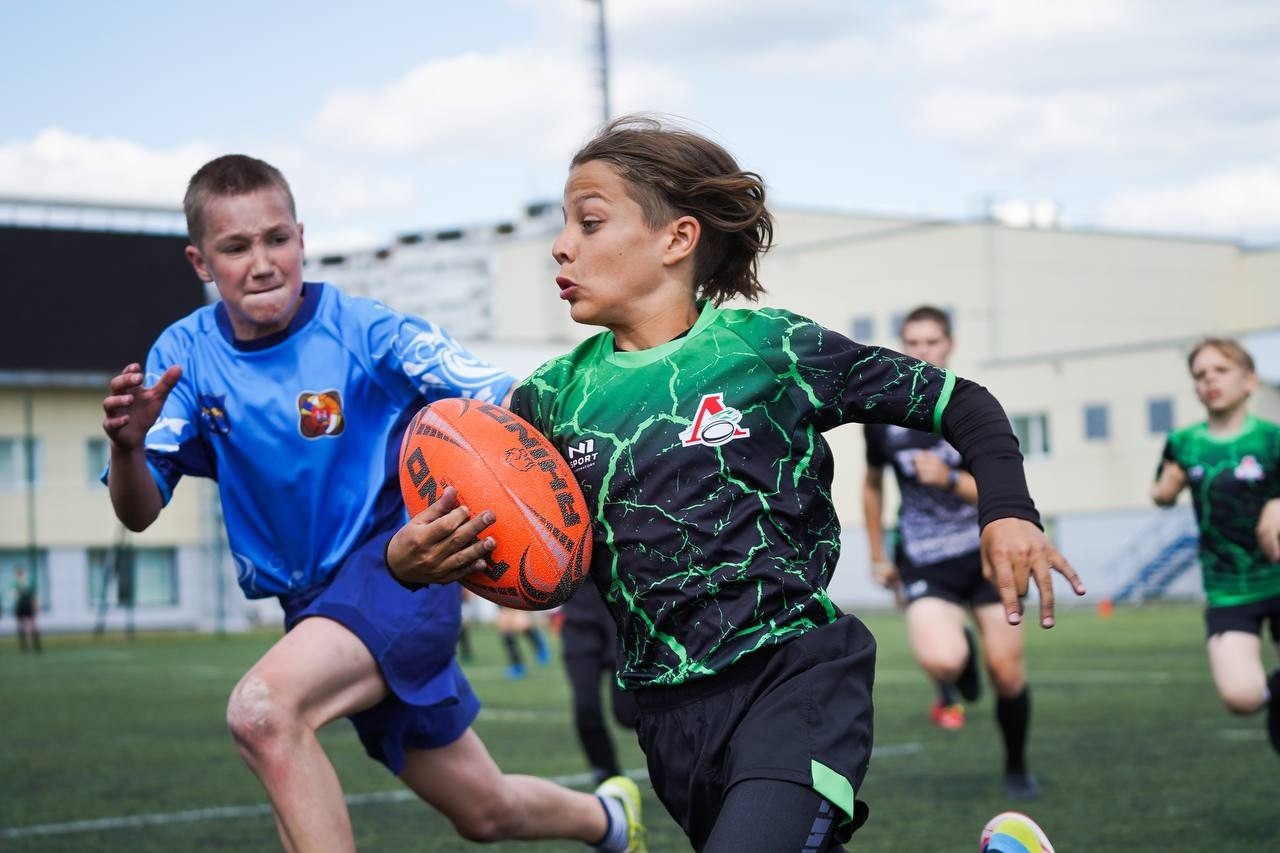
{"x": 1230, "y": 479}
{"x": 708, "y": 478}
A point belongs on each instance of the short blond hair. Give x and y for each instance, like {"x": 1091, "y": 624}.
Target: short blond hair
{"x": 1229, "y": 347}
{"x": 230, "y": 174}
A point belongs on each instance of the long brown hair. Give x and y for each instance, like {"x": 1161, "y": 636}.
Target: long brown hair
{"x": 670, "y": 172}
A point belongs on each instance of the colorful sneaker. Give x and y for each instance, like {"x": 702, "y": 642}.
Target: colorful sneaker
{"x": 626, "y": 792}
{"x": 1013, "y": 832}
{"x": 969, "y": 684}
{"x": 515, "y": 671}
{"x": 949, "y": 717}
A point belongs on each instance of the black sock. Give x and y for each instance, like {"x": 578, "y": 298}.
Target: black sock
{"x": 1014, "y": 718}
{"x": 946, "y": 693}
{"x": 535, "y": 639}
{"x": 464, "y": 643}
{"x": 513, "y": 651}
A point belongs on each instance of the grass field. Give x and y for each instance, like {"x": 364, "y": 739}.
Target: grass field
{"x": 118, "y": 745}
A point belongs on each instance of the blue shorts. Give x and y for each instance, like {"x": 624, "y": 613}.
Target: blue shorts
{"x": 413, "y": 637}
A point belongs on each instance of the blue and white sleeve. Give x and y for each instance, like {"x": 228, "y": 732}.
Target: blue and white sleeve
{"x": 437, "y": 366}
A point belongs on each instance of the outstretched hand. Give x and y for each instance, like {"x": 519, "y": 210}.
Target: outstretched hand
{"x": 131, "y": 410}
{"x": 1014, "y": 550}
{"x": 441, "y": 544}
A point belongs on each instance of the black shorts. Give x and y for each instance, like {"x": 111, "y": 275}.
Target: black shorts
{"x": 1244, "y": 617}
{"x": 800, "y": 712}
{"x": 958, "y": 580}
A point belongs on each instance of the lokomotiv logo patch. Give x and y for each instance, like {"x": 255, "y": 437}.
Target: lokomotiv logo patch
{"x": 714, "y": 424}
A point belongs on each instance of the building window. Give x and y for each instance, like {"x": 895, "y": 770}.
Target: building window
{"x": 11, "y": 560}
{"x": 864, "y": 328}
{"x": 1160, "y": 415}
{"x": 1097, "y": 422}
{"x": 14, "y": 470}
{"x": 96, "y": 456}
{"x": 1032, "y": 431}
{"x": 141, "y": 577}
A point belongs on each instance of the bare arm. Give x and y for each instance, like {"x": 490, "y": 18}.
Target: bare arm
{"x": 884, "y": 571}
{"x": 932, "y": 470}
{"x": 1172, "y": 480}
{"x": 131, "y": 410}
{"x": 1268, "y": 530}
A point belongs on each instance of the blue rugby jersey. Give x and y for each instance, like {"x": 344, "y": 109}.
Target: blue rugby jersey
{"x": 301, "y": 429}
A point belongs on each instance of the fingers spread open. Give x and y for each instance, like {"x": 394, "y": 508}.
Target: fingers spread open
{"x": 1043, "y": 571}
{"x": 999, "y": 570}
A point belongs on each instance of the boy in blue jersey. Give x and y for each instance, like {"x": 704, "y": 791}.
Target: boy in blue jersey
{"x": 293, "y": 396}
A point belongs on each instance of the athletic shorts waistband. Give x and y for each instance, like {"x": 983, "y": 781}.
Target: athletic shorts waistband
{"x": 670, "y": 696}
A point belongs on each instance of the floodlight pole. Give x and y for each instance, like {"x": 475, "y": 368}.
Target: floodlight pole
{"x": 602, "y": 46}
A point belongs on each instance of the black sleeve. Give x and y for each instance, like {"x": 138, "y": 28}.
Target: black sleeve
{"x": 977, "y": 426}
{"x": 873, "y": 435}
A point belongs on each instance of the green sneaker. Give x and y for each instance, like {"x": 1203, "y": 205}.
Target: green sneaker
{"x": 627, "y": 793}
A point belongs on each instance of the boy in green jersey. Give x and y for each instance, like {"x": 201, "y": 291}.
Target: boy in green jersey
{"x": 695, "y": 433}
{"x": 1231, "y": 462}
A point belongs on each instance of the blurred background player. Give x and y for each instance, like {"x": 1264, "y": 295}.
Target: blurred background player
{"x": 938, "y": 565}
{"x": 514, "y": 624}
{"x": 1231, "y": 461}
{"x": 589, "y": 643}
{"x": 294, "y": 397}
{"x": 25, "y": 606}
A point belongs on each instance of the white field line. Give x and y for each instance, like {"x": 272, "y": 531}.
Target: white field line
{"x": 1068, "y": 676}
{"x": 396, "y": 795}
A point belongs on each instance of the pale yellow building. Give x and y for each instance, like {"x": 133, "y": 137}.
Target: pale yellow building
{"x": 1081, "y": 334}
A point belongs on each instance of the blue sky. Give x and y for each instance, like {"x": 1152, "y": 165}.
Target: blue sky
{"x": 395, "y": 116}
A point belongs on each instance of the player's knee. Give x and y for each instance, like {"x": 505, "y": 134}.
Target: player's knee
{"x": 1241, "y": 700}
{"x": 254, "y": 717}
{"x": 1008, "y": 676}
{"x": 486, "y": 821}
{"x": 945, "y": 664}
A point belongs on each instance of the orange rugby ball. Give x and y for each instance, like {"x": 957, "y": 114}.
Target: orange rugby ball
{"x": 498, "y": 461}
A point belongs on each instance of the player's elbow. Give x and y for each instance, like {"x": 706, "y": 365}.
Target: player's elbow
{"x": 134, "y": 525}
{"x": 135, "y": 519}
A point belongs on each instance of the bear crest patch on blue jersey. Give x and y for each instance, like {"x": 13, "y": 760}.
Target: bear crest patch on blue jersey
{"x": 320, "y": 414}
{"x": 213, "y": 413}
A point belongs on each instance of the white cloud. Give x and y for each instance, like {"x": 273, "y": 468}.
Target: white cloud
{"x": 1042, "y": 82}
{"x": 469, "y": 105}
{"x": 1243, "y": 202}
{"x": 56, "y": 163}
